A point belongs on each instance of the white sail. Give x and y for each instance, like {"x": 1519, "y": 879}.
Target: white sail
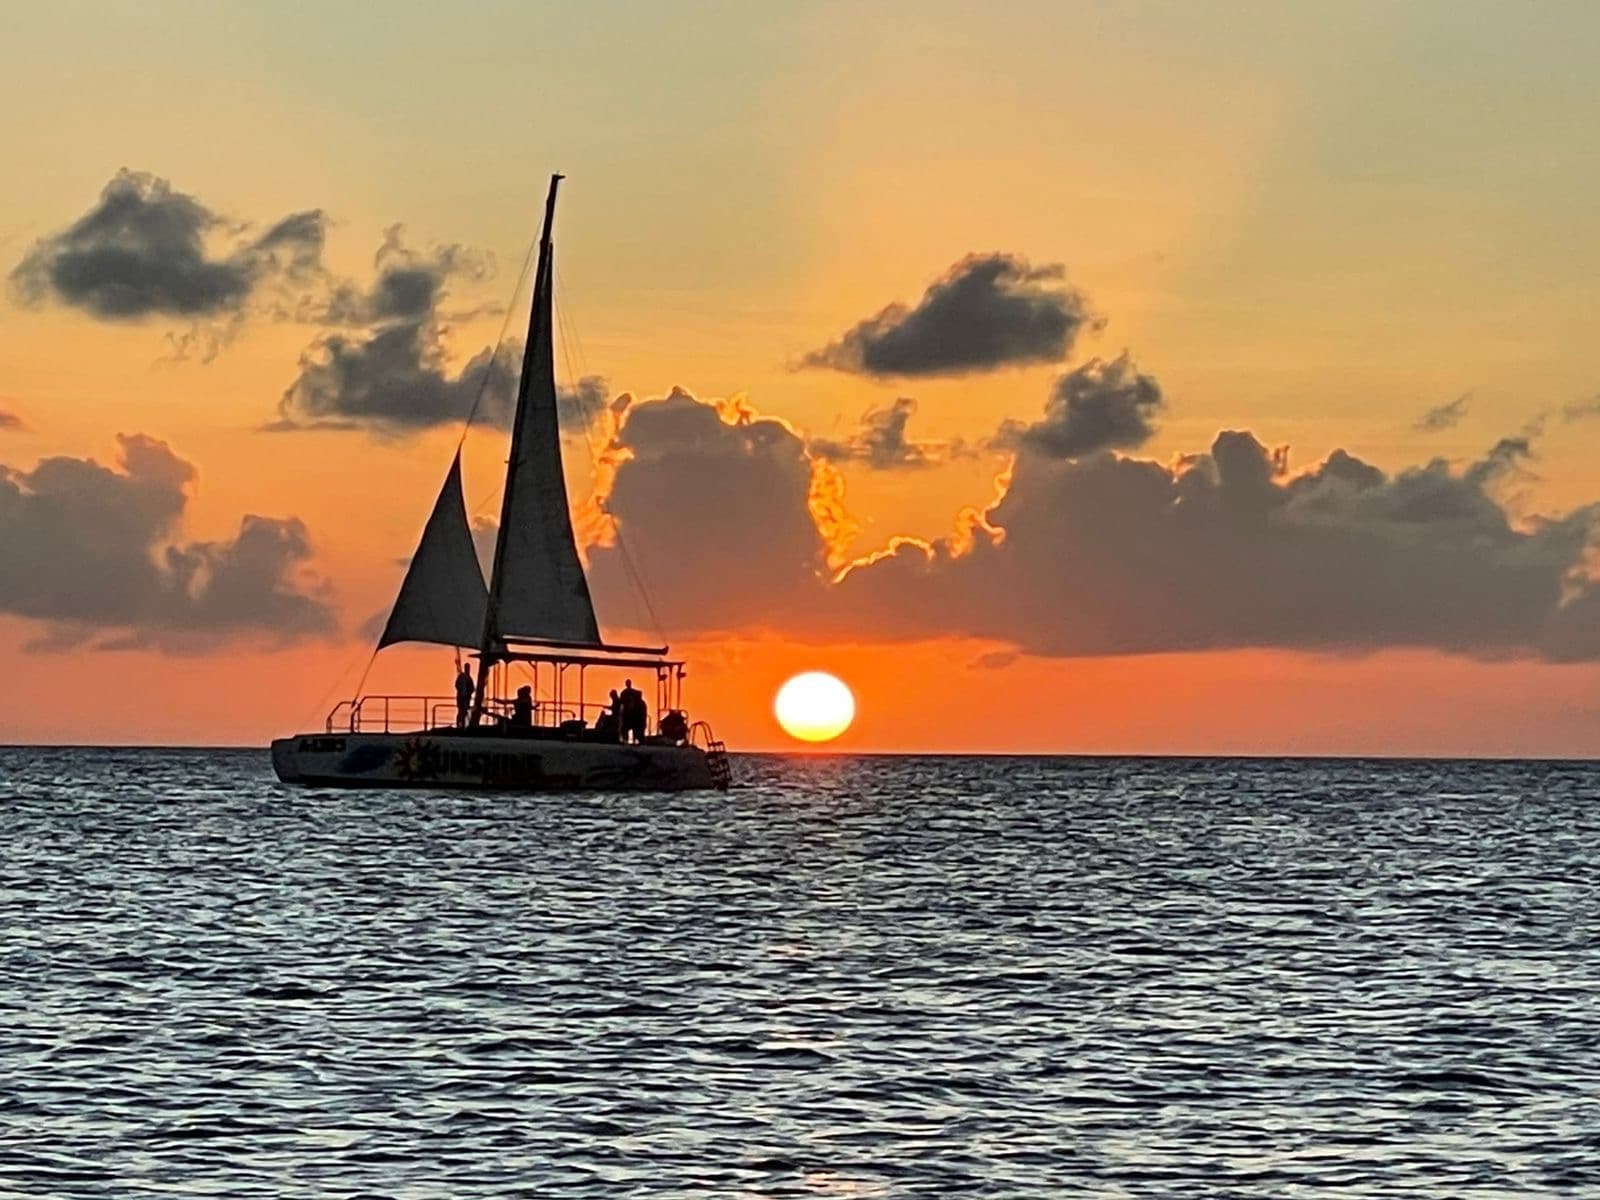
{"x": 539, "y": 590}
{"x": 442, "y": 598}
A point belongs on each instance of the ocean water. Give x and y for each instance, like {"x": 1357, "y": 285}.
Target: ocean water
{"x": 847, "y": 977}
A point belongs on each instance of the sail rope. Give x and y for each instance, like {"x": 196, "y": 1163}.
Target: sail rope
{"x": 488, "y": 376}
{"x": 570, "y": 344}
{"x": 499, "y": 342}
{"x": 321, "y": 707}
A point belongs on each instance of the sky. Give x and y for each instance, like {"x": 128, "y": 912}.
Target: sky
{"x": 1066, "y": 377}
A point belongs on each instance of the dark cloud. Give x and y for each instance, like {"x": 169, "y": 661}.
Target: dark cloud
{"x": 10, "y": 422}
{"x": 408, "y": 284}
{"x": 1580, "y": 410}
{"x": 391, "y": 375}
{"x": 1109, "y": 555}
{"x": 587, "y": 404}
{"x": 1099, "y": 406}
{"x": 1504, "y": 460}
{"x": 883, "y": 444}
{"x": 1444, "y": 416}
{"x": 96, "y": 552}
{"x": 714, "y": 510}
{"x": 143, "y": 251}
{"x": 988, "y": 311}
{"x": 396, "y": 381}
{"x": 1103, "y": 554}
{"x": 292, "y": 248}
{"x": 400, "y": 292}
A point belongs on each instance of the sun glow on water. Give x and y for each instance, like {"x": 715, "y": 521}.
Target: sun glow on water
{"x": 814, "y": 707}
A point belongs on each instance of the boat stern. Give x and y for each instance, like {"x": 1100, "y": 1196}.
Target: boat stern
{"x": 309, "y": 757}
{"x": 285, "y": 762}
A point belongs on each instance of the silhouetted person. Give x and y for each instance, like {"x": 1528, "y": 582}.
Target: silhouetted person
{"x": 464, "y": 690}
{"x": 634, "y": 712}
{"x": 675, "y": 725}
{"x": 608, "y": 725}
{"x": 522, "y": 708}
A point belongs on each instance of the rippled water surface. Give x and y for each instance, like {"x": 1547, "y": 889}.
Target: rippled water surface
{"x": 847, "y": 977}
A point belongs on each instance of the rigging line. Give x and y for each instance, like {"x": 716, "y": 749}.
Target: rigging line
{"x": 570, "y": 345}
{"x": 486, "y": 502}
{"x": 366, "y": 670}
{"x": 569, "y": 336}
{"x": 322, "y": 702}
{"x": 638, "y": 584}
{"x": 494, "y": 358}
{"x": 494, "y": 494}
{"x": 575, "y": 376}
{"x": 488, "y": 375}
{"x": 590, "y": 412}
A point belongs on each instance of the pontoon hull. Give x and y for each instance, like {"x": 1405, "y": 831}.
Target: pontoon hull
{"x": 446, "y": 759}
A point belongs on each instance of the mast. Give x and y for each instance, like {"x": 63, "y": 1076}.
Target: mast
{"x": 537, "y": 321}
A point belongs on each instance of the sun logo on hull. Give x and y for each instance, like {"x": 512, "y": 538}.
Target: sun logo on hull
{"x": 417, "y": 759}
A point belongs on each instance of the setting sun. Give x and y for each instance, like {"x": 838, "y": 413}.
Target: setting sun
{"x": 814, "y": 707}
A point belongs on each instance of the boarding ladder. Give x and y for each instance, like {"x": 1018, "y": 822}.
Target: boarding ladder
{"x": 716, "y": 754}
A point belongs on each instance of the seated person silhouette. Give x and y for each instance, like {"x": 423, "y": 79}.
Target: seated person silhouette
{"x": 522, "y": 708}
{"x": 675, "y": 726}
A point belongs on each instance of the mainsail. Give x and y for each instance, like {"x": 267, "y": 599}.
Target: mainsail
{"x": 442, "y": 598}
{"x": 538, "y": 590}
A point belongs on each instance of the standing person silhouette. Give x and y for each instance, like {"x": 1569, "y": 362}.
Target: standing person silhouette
{"x": 464, "y": 690}
{"x": 635, "y": 713}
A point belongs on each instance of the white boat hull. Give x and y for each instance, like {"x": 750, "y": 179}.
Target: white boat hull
{"x": 446, "y": 759}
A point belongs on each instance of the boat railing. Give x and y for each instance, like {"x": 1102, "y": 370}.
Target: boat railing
{"x": 415, "y": 713}
{"x": 390, "y": 714}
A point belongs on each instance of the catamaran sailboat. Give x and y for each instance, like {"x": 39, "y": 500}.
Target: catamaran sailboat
{"x": 534, "y": 615}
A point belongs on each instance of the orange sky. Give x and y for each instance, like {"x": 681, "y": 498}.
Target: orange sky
{"x": 1313, "y": 223}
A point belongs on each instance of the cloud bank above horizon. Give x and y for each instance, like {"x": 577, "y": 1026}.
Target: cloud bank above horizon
{"x": 737, "y": 520}
{"x": 1096, "y": 553}
{"x": 102, "y": 558}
